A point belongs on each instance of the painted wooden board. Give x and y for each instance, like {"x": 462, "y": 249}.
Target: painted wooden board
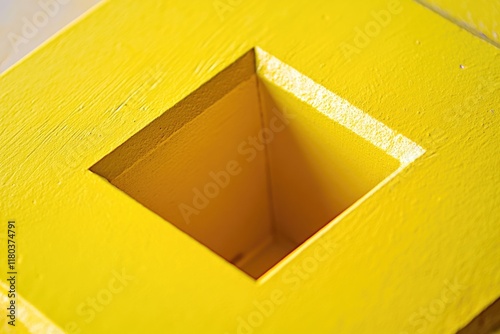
{"x": 418, "y": 254}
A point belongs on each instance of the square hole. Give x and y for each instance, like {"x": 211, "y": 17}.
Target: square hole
{"x": 256, "y": 161}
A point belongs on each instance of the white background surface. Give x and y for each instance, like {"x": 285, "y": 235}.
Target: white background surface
{"x": 25, "y": 24}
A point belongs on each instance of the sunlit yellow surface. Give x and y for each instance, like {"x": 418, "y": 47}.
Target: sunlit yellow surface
{"x": 418, "y": 254}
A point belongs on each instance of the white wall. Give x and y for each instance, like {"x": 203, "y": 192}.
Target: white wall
{"x": 25, "y": 24}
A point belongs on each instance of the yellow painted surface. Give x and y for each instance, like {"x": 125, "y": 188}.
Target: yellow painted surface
{"x": 479, "y": 16}
{"x": 419, "y": 253}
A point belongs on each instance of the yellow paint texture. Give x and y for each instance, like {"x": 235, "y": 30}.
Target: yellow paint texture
{"x": 404, "y": 98}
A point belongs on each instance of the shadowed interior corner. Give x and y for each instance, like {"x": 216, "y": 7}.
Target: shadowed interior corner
{"x": 486, "y": 322}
